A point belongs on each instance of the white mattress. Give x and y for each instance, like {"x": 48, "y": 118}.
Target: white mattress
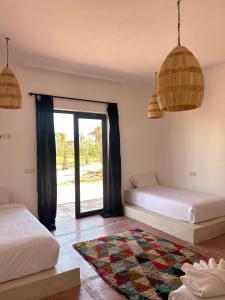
{"x": 189, "y": 206}
{"x": 26, "y": 246}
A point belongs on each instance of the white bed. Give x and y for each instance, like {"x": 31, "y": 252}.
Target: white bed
{"x": 26, "y": 246}
{"x": 189, "y": 206}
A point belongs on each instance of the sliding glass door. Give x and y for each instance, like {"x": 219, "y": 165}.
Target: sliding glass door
{"x": 90, "y": 134}
{"x": 87, "y": 155}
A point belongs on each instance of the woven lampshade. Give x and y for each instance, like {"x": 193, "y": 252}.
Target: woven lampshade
{"x": 153, "y": 106}
{"x": 180, "y": 82}
{"x": 10, "y": 94}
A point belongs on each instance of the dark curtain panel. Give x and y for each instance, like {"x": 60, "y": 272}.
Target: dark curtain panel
{"x": 46, "y": 161}
{"x": 113, "y": 206}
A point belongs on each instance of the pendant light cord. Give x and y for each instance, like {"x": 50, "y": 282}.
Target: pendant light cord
{"x": 178, "y": 27}
{"x": 7, "y": 48}
{"x": 7, "y": 51}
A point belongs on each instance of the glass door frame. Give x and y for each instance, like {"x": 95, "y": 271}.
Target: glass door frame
{"x": 76, "y": 117}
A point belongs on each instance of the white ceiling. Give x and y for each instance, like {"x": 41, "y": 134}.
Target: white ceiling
{"x": 112, "y": 39}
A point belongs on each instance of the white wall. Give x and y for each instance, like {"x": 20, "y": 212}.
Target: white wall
{"x": 139, "y": 135}
{"x": 173, "y": 146}
{"x": 195, "y": 141}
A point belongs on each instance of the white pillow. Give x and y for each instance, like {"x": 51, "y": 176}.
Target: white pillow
{"x": 4, "y": 196}
{"x": 144, "y": 180}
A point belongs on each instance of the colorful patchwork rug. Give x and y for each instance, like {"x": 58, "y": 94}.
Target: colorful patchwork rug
{"x": 139, "y": 265}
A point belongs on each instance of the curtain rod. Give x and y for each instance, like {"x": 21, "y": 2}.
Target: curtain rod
{"x": 71, "y": 98}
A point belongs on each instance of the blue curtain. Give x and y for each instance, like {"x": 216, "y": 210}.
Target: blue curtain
{"x": 46, "y": 161}
{"x": 113, "y": 206}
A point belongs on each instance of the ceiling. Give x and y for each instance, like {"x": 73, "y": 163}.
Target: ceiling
{"x": 111, "y": 39}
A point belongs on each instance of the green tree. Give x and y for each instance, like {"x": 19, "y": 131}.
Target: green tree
{"x": 63, "y": 148}
{"x": 97, "y": 134}
{"x": 82, "y": 138}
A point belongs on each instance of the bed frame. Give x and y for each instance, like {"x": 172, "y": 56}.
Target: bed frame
{"x": 44, "y": 284}
{"x": 194, "y": 233}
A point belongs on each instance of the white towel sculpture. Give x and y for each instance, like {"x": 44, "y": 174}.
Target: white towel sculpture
{"x": 202, "y": 280}
{"x": 183, "y": 293}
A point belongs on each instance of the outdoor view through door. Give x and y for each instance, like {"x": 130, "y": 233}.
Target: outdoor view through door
{"x": 81, "y": 161}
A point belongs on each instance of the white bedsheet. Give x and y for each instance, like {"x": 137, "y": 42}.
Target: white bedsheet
{"x": 189, "y": 206}
{"x": 26, "y": 246}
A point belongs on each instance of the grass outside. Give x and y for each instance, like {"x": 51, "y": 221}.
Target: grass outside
{"x": 70, "y": 161}
{"x": 59, "y": 161}
{"x": 87, "y": 177}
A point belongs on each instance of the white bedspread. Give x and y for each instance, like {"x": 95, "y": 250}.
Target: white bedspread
{"x": 189, "y": 206}
{"x": 26, "y": 246}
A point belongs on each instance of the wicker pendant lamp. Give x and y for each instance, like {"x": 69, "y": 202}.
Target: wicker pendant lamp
{"x": 181, "y": 81}
{"x": 10, "y": 94}
{"x": 154, "y": 111}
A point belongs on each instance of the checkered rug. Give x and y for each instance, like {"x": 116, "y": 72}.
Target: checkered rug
{"x": 137, "y": 264}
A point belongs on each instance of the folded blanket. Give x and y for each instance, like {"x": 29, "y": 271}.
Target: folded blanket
{"x": 205, "y": 280}
{"x": 184, "y": 294}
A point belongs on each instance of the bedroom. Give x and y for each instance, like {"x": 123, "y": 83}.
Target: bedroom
{"x": 108, "y": 51}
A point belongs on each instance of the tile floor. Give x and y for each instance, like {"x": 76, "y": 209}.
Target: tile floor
{"x": 69, "y": 231}
{"x": 85, "y": 205}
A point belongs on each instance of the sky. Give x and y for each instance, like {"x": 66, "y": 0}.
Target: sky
{"x": 64, "y": 123}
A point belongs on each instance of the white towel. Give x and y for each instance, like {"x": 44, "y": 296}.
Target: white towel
{"x": 184, "y": 294}
{"x": 205, "y": 280}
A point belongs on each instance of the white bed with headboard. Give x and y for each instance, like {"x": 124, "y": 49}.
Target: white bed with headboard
{"x": 175, "y": 205}
{"x": 26, "y": 246}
